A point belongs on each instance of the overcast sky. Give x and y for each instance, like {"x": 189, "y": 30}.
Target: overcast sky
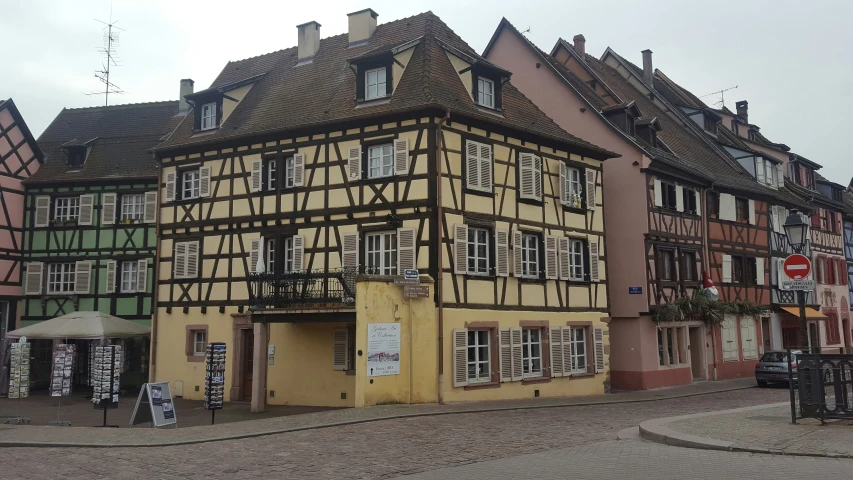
{"x": 789, "y": 58}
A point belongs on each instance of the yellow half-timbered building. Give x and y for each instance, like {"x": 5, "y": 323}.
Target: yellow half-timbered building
{"x": 305, "y": 182}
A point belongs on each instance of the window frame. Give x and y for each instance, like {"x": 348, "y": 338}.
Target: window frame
{"x": 741, "y": 210}
{"x": 209, "y": 113}
{"x": 382, "y": 158}
{"x": 667, "y": 274}
{"x": 584, "y": 334}
{"x": 70, "y": 211}
{"x": 688, "y": 197}
{"x": 367, "y": 84}
{"x": 138, "y": 213}
{"x": 680, "y": 347}
{"x": 527, "y": 358}
{"x": 195, "y": 186}
{"x": 476, "y": 258}
{"x": 190, "y": 342}
{"x": 368, "y": 253}
{"x": 67, "y": 269}
{"x": 477, "y": 361}
{"x": 526, "y": 248}
{"x": 478, "y": 72}
{"x": 580, "y": 255}
{"x": 738, "y": 270}
{"x": 689, "y": 259}
{"x": 669, "y": 196}
{"x": 485, "y": 99}
{"x": 575, "y": 188}
{"x": 713, "y": 202}
{"x": 133, "y": 273}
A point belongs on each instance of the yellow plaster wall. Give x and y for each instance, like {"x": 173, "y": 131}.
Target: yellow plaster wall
{"x": 228, "y": 106}
{"x": 397, "y": 70}
{"x": 459, "y": 65}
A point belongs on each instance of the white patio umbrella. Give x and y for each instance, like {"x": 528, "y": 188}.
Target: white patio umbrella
{"x": 82, "y": 325}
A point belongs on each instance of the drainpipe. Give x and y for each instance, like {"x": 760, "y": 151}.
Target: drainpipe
{"x": 152, "y": 369}
{"x": 439, "y": 280}
{"x": 707, "y": 252}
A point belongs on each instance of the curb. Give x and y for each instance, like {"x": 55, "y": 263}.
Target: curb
{"x": 7, "y": 444}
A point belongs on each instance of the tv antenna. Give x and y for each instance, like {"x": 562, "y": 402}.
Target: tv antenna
{"x": 526, "y": 31}
{"x": 111, "y": 42}
{"x": 722, "y": 94}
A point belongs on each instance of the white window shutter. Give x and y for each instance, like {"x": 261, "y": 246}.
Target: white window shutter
{"x": 298, "y": 252}
{"x": 556, "y": 346}
{"x": 780, "y": 176}
{"x": 679, "y": 198}
{"x": 170, "y": 187}
{"x": 460, "y": 357}
{"x": 727, "y": 269}
{"x": 193, "y": 259}
{"x": 111, "y": 277}
{"x": 780, "y": 272}
{"x": 204, "y": 182}
{"x": 759, "y": 271}
{"x": 257, "y": 176}
{"x": 142, "y": 275}
{"x": 349, "y": 250}
{"x": 401, "y": 156}
{"x": 505, "y": 354}
{"x": 551, "y": 258}
{"x": 339, "y": 349}
{"x": 33, "y": 278}
{"x": 752, "y": 212}
{"x": 254, "y": 253}
{"x": 299, "y": 170}
{"x": 486, "y": 167}
{"x": 502, "y": 253}
{"x": 354, "y": 163}
{"x": 537, "y": 178}
{"x": 516, "y": 253}
{"x": 460, "y": 248}
{"x": 517, "y": 353}
{"x": 696, "y": 193}
{"x": 150, "y": 213}
{"x": 526, "y": 188}
{"x": 598, "y": 340}
{"x": 566, "y": 333}
{"x": 87, "y": 207}
{"x": 82, "y": 277}
{"x": 727, "y": 207}
{"x": 42, "y": 216}
{"x": 179, "y": 261}
{"x": 406, "y": 250}
{"x": 774, "y": 218}
{"x": 591, "y": 176}
{"x": 108, "y": 208}
{"x": 759, "y": 170}
{"x": 658, "y": 194}
{"x": 565, "y": 261}
{"x": 594, "y": 273}
{"x": 472, "y": 164}
{"x": 564, "y": 193}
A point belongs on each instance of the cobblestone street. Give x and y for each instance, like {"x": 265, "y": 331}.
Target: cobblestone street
{"x": 386, "y": 449}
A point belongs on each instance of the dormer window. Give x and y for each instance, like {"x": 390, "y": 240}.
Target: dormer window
{"x": 375, "y": 84}
{"x": 76, "y": 157}
{"x": 486, "y": 92}
{"x": 486, "y": 87}
{"x": 208, "y": 116}
{"x": 710, "y": 124}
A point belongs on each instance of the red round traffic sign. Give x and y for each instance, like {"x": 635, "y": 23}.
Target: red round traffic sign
{"x": 797, "y": 267}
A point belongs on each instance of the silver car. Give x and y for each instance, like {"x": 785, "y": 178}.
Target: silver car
{"x": 773, "y": 367}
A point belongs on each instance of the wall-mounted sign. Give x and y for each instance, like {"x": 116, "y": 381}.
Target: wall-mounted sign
{"x": 406, "y": 281}
{"x": 635, "y": 290}
{"x": 411, "y": 274}
{"x": 383, "y": 349}
{"x": 799, "y": 285}
{"x": 416, "y": 291}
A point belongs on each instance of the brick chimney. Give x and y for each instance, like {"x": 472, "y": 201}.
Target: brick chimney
{"x": 743, "y": 110}
{"x": 186, "y": 89}
{"x": 362, "y": 24}
{"x": 648, "y": 70}
{"x": 580, "y": 44}
{"x": 309, "y": 40}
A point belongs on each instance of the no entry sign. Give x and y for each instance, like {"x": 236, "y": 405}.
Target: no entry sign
{"x": 797, "y": 267}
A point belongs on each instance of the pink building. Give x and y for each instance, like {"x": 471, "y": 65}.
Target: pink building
{"x": 20, "y": 157}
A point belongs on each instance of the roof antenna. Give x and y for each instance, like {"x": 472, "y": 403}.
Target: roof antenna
{"x": 111, "y": 37}
{"x": 526, "y": 31}
{"x": 722, "y": 93}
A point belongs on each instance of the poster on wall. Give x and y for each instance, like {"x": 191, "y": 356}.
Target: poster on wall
{"x": 383, "y": 349}
{"x": 60, "y": 377}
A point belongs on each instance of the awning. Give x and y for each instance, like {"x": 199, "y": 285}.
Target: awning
{"x": 811, "y": 313}
{"x": 82, "y": 325}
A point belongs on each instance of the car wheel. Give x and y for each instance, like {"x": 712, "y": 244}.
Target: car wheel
{"x": 761, "y": 383}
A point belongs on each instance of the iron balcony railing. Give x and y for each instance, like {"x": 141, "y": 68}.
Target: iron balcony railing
{"x": 331, "y": 288}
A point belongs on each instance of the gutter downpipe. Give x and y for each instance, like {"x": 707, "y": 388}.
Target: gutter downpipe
{"x": 440, "y": 259}
{"x": 707, "y": 250}
{"x": 152, "y": 369}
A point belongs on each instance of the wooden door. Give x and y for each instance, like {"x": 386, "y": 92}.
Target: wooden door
{"x": 248, "y": 352}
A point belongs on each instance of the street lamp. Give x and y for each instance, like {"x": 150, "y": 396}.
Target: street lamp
{"x": 797, "y": 231}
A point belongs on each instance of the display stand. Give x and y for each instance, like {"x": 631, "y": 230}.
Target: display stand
{"x": 157, "y": 406}
{"x": 19, "y": 378}
{"x": 60, "y": 379}
{"x": 214, "y": 383}
{"x": 105, "y": 377}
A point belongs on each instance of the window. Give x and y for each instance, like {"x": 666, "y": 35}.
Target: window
{"x": 269, "y": 254}
{"x": 742, "y": 209}
{"x": 190, "y": 184}
{"x": 821, "y": 274}
{"x": 478, "y": 251}
{"x": 667, "y": 265}
{"x": 689, "y": 198}
{"x": 132, "y": 207}
{"x": 478, "y": 166}
{"x": 668, "y": 196}
{"x": 129, "y": 274}
{"x": 769, "y": 173}
{"x": 381, "y": 253}
{"x": 272, "y": 174}
{"x": 531, "y": 357}
{"x": 199, "y": 342}
{"x": 737, "y": 270}
{"x": 751, "y": 271}
{"x": 574, "y": 188}
{"x": 288, "y": 172}
{"x": 529, "y": 255}
{"x": 710, "y": 124}
{"x": 630, "y": 125}
{"x": 479, "y": 361}
{"x": 60, "y": 277}
{"x": 208, "y": 116}
{"x": 66, "y": 209}
{"x": 380, "y": 161}
{"x": 374, "y": 83}
{"x": 689, "y": 259}
{"x": 578, "y": 340}
{"x": 713, "y": 204}
{"x": 288, "y": 254}
{"x": 186, "y": 259}
{"x": 485, "y": 92}
{"x": 833, "y": 334}
{"x": 576, "y": 260}
{"x": 672, "y": 347}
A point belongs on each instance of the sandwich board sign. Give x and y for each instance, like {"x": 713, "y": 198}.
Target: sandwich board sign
{"x": 154, "y": 406}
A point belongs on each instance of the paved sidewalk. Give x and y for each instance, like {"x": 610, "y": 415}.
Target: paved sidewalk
{"x": 44, "y": 436}
{"x": 757, "y": 429}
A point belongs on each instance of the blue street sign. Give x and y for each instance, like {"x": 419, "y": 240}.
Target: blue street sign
{"x": 635, "y": 290}
{"x": 411, "y": 274}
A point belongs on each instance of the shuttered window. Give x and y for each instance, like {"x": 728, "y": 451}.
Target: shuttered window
{"x": 150, "y": 214}
{"x": 340, "y": 349}
{"x": 111, "y": 276}
{"x": 349, "y": 250}
{"x": 578, "y": 349}
{"x": 129, "y": 276}
{"x": 108, "y": 208}
{"x": 132, "y": 207}
{"x": 502, "y": 253}
{"x": 571, "y": 189}
{"x": 380, "y": 161}
{"x": 529, "y": 255}
{"x": 66, "y": 209}
{"x": 42, "y": 214}
{"x": 479, "y": 356}
{"x": 406, "y": 249}
{"x": 87, "y": 209}
{"x": 186, "y": 259}
{"x": 728, "y": 331}
{"x": 530, "y": 176}
{"x": 478, "y": 251}
{"x": 478, "y": 164}
{"x": 747, "y": 338}
{"x": 190, "y": 184}
{"x": 380, "y": 253}
{"x": 61, "y": 278}
{"x": 531, "y": 357}
{"x": 575, "y": 259}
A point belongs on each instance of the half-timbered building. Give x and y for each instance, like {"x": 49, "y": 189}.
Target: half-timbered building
{"x": 848, "y": 242}
{"x": 305, "y": 182}
{"x": 20, "y": 157}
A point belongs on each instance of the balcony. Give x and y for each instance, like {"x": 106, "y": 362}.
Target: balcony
{"x": 334, "y": 288}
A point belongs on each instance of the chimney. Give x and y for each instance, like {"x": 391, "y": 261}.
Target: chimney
{"x": 362, "y": 24}
{"x": 309, "y": 40}
{"x": 648, "y": 71}
{"x": 580, "y": 44}
{"x": 186, "y": 89}
{"x": 743, "y": 110}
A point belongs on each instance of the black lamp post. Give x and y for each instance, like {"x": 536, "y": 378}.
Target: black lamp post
{"x": 797, "y": 231}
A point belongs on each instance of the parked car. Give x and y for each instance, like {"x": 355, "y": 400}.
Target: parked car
{"x": 773, "y": 367}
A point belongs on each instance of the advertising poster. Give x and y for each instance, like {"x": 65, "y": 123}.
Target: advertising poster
{"x": 157, "y": 395}
{"x": 383, "y": 349}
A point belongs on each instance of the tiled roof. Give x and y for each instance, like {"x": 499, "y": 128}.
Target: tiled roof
{"x": 323, "y": 91}
{"x": 123, "y": 137}
{"x": 22, "y": 125}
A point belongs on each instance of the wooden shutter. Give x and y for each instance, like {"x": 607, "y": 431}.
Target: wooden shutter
{"x": 505, "y": 354}
{"x": 254, "y": 253}
{"x": 82, "y": 277}
{"x": 752, "y": 212}
{"x": 150, "y": 212}
{"x": 401, "y": 156}
{"x": 658, "y": 194}
{"x": 679, "y": 198}
{"x": 339, "y": 349}
{"x": 593, "y": 262}
{"x": 729, "y": 334}
{"x": 485, "y": 167}
{"x": 354, "y": 163}
{"x": 299, "y": 170}
{"x": 42, "y": 216}
{"x": 516, "y": 253}
{"x": 87, "y": 207}
{"x": 257, "y": 175}
{"x": 193, "y": 259}
{"x": 406, "y": 250}
{"x": 780, "y": 176}
{"x": 460, "y": 357}
{"x": 551, "y": 258}
{"x": 698, "y": 202}
{"x": 759, "y": 271}
{"x": 142, "y": 275}
{"x": 111, "y": 277}
{"x": 747, "y": 337}
{"x": 170, "y": 187}
{"x": 567, "y": 351}
{"x": 759, "y": 170}
{"x": 502, "y": 253}
{"x": 537, "y": 177}
{"x": 517, "y": 353}
{"x": 564, "y": 192}
{"x": 33, "y": 278}
{"x": 204, "y": 182}
{"x": 460, "y": 248}
{"x": 526, "y": 172}
{"x": 472, "y": 164}
{"x": 727, "y": 269}
{"x": 727, "y": 207}
{"x": 565, "y": 261}
{"x": 349, "y": 250}
{"x": 590, "y": 188}
{"x": 598, "y": 340}
{"x": 180, "y": 260}
{"x": 774, "y": 218}
{"x": 298, "y": 252}
{"x": 556, "y": 346}
{"x": 108, "y": 208}
{"x": 842, "y": 274}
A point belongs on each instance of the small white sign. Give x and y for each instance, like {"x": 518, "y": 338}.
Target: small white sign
{"x": 411, "y": 274}
{"x": 383, "y": 349}
{"x": 799, "y": 284}
{"x": 271, "y": 350}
